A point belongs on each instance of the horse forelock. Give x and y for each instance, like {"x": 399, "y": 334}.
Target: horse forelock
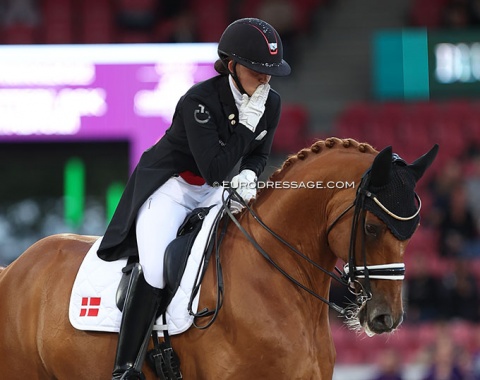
{"x": 317, "y": 148}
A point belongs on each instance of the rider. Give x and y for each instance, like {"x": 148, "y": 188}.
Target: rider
{"x": 218, "y": 122}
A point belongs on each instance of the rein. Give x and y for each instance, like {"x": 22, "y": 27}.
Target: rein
{"x": 351, "y": 272}
{"x": 267, "y": 256}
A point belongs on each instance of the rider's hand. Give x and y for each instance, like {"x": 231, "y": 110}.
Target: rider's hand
{"x": 251, "y": 110}
{"x": 246, "y": 184}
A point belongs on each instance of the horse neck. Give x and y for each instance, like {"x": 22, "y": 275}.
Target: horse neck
{"x": 302, "y": 216}
{"x": 289, "y": 214}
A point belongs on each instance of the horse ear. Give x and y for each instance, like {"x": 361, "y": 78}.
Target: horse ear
{"x": 381, "y": 168}
{"x": 422, "y": 163}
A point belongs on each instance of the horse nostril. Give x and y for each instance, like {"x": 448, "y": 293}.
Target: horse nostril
{"x": 382, "y": 323}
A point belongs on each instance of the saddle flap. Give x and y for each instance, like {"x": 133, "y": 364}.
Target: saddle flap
{"x": 178, "y": 251}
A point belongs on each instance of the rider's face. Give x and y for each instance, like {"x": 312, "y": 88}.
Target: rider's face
{"x": 249, "y": 79}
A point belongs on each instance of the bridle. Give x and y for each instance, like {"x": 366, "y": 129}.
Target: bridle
{"x": 351, "y": 272}
{"x": 350, "y": 275}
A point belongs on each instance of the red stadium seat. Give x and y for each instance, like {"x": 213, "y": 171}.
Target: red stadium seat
{"x": 249, "y": 8}
{"x": 448, "y": 134}
{"x": 97, "y": 25}
{"x": 58, "y": 25}
{"x": 427, "y": 13}
{"x": 136, "y": 5}
{"x": 381, "y": 134}
{"x": 461, "y": 332}
{"x": 20, "y": 34}
{"x": 213, "y": 13}
{"x": 413, "y": 137}
{"x": 292, "y": 130}
{"x": 353, "y": 121}
{"x": 132, "y": 37}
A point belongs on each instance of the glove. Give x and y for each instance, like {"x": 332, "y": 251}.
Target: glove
{"x": 251, "y": 110}
{"x": 246, "y": 184}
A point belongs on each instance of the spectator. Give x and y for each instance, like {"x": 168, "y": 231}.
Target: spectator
{"x": 421, "y": 291}
{"x": 462, "y": 298}
{"x": 441, "y": 187}
{"x": 444, "y": 360}
{"x": 472, "y": 186}
{"x": 457, "y": 228}
{"x": 389, "y": 366}
{"x": 476, "y": 351}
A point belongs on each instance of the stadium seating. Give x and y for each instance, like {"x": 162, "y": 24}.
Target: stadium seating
{"x": 97, "y": 22}
{"x": 213, "y": 13}
{"x": 413, "y": 127}
{"x": 19, "y": 34}
{"x": 427, "y": 13}
{"x": 292, "y": 130}
{"x": 57, "y": 21}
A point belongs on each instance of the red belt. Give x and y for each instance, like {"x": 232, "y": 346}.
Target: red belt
{"x": 192, "y": 178}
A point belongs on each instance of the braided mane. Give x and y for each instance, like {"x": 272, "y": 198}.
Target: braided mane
{"x": 317, "y": 148}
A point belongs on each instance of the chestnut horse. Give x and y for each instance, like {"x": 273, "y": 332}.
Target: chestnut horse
{"x": 268, "y": 327}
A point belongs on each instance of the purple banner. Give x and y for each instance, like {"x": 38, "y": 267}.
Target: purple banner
{"x": 97, "y": 92}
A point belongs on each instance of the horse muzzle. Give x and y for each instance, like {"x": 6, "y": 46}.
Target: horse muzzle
{"x": 379, "y": 319}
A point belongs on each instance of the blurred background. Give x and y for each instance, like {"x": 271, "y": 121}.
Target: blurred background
{"x": 81, "y": 95}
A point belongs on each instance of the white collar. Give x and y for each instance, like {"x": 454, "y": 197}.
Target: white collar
{"x": 237, "y": 95}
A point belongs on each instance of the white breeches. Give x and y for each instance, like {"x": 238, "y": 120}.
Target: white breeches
{"x": 160, "y": 217}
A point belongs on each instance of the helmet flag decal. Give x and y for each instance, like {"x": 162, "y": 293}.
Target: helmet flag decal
{"x": 272, "y": 46}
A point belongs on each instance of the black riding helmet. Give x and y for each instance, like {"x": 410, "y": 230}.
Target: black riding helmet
{"x": 255, "y": 44}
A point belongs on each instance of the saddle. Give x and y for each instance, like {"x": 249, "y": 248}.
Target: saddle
{"x": 175, "y": 259}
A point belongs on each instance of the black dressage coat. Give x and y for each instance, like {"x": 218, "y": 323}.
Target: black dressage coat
{"x": 205, "y": 138}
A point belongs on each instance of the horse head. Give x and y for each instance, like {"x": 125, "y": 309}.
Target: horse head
{"x": 385, "y": 216}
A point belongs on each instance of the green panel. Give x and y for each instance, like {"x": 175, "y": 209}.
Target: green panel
{"x": 74, "y": 191}
{"x": 415, "y": 64}
{"x": 114, "y": 193}
{"x": 388, "y": 65}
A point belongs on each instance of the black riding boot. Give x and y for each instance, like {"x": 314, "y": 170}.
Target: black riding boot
{"x": 139, "y": 313}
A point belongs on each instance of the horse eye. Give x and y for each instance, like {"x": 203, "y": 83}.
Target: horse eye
{"x": 371, "y": 229}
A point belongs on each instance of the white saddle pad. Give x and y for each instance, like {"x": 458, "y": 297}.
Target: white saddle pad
{"x": 93, "y": 304}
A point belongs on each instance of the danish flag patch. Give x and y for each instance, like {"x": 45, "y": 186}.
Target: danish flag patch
{"x": 90, "y": 306}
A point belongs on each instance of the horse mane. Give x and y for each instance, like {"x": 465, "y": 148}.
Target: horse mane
{"x": 319, "y": 147}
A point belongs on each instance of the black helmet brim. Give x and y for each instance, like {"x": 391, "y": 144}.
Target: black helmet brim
{"x": 277, "y": 70}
